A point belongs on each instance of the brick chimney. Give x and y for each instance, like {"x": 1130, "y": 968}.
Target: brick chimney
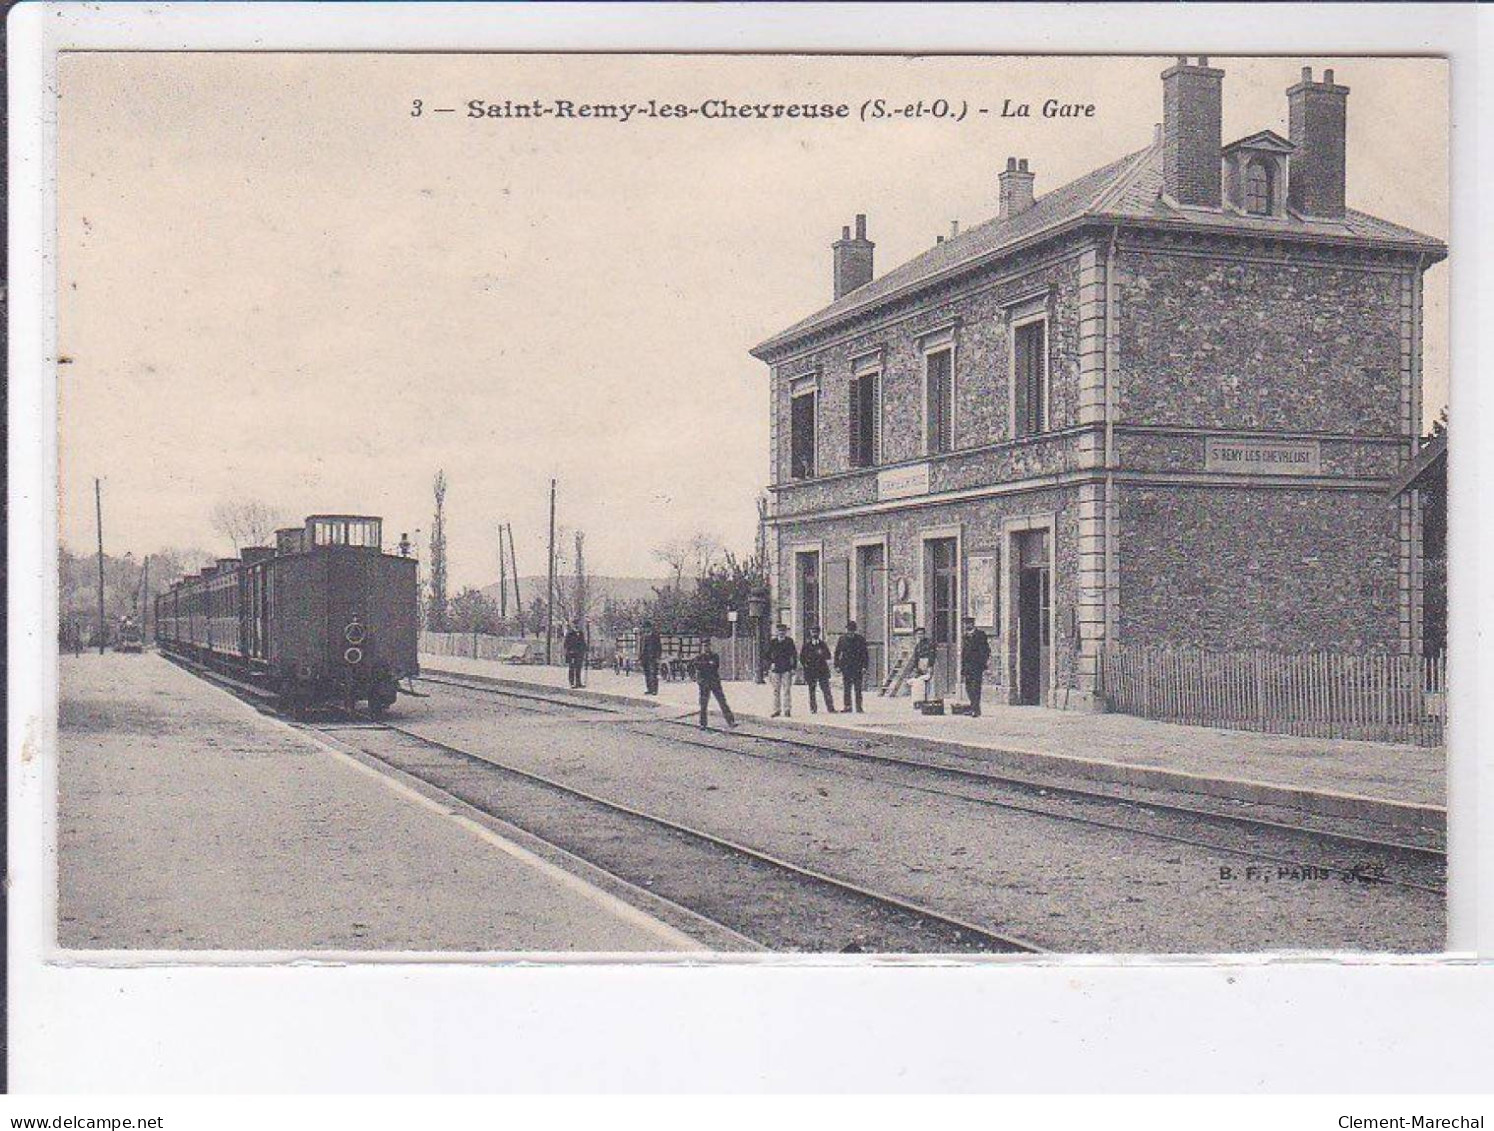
{"x": 1192, "y": 132}
{"x": 1016, "y": 188}
{"x": 1318, "y": 115}
{"x": 853, "y": 258}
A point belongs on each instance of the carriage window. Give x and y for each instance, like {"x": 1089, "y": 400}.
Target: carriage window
{"x": 365, "y": 532}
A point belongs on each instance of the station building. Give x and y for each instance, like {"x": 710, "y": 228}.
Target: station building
{"x": 1159, "y": 405}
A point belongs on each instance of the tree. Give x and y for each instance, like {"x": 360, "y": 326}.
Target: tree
{"x": 676, "y": 555}
{"x": 696, "y": 553}
{"x": 247, "y": 522}
{"x": 472, "y": 610}
{"x": 435, "y": 617}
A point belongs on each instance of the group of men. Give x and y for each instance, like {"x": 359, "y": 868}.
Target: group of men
{"x": 851, "y": 658}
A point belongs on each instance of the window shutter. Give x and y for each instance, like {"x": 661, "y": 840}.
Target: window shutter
{"x": 940, "y": 397}
{"x": 858, "y": 457}
{"x": 869, "y": 413}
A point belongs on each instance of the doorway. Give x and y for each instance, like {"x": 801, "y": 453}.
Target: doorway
{"x": 1034, "y": 617}
{"x": 808, "y": 570}
{"x": 869, "y": 608}
{"x": 942, "y": 571}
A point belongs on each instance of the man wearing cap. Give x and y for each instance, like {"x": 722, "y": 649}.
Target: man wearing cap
{"x": 815, "y": 660}
{"x": 851, "y": 660}
{"x": 975, "y": 656}
{"x": 650, "y": 648}
{"x": 783, "y": 658}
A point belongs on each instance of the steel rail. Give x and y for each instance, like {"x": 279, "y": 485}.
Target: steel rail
{"x": 1001, "y": 942}
{"x": 1247, "y": 823}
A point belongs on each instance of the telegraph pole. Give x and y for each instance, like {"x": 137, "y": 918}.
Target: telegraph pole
{"x": 513, "y": 562}
{"x": 502, "y": 577}
{"x": 98, "y": 511}
{"x": 550, "y": 593}
{"x": 145, "y": 602}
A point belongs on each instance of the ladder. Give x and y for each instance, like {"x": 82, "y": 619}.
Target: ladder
{"x": 899, "y": 671}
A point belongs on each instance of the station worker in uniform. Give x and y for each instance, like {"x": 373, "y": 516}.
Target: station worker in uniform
{"x": 708, "y": 680}
{"x": 650, "y": 648}
{"x": 851, "y": 660}
{"x": 783, "y": 658}
{"x": 975, "y": 657}
{"x": 815, "y": 659}
{"x": 575, "y": 652}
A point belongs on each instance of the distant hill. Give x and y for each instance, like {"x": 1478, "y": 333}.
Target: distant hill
{"x": 618, "y": 588}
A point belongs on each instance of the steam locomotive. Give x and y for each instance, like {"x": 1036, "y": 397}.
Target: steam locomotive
{"x": 323, "y": 616}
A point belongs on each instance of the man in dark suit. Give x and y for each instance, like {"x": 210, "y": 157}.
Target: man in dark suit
{"x": 975, "y": 657}
{"x": 574, "y": 647}
{"x": 650, "y": 648}
{"x": 815, "y": 660}
{"x": 708, "y": 680}
{"x": 851, "y": 660}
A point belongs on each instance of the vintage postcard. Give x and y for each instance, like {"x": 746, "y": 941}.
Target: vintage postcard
{"x": 735, "y": 505}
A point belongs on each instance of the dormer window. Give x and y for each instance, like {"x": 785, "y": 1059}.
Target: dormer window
{"x": 1258, "y": 187}
{"x": 1255, "y": 174}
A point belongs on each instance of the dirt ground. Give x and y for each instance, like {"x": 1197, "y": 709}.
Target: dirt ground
{"x": 189, "y": 821}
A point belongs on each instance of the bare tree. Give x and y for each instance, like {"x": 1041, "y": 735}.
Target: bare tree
{"x": 247, "y": 522}
{"x": 581, "y": 587}
{"x": 436, "y": 612}
{"x": 676, "y": 555}
{"x": 704, "y": 549}
{"x": 579, "y": 601}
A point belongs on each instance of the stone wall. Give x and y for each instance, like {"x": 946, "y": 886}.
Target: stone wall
{"x": 982, "y": 367}
{"x": 1231, "y": 568}
{"x": 1219, "y": 340}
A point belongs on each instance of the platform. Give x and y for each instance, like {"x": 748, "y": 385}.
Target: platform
{"x": 189, "y": 821}
{"x": 1386, "y": 782}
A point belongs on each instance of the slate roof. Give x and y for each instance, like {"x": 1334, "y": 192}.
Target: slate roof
{"x": 1128, "y": 192}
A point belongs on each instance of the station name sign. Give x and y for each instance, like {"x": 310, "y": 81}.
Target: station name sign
{"x": 903, "y": 482}
{"x": 1264, "y": 457}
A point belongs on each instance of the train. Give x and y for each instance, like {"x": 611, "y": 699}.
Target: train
{"x": 322, "y": 617}
{"x": 130, "y": 638}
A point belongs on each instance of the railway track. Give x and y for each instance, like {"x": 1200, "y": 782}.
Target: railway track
{"x": 774, "y": 902}
{"x": 1352, "y": 857}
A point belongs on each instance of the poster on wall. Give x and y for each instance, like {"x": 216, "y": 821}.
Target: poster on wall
{"x": 982, "y": 590}
{"x": 904, "y": 617}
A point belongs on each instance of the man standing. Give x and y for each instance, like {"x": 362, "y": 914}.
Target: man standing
{"x": 783, "y": 658}
{"x": 815, "y": 659}
{"x": 708, "y": 679}
{"x": 650, "y": 648}
{"x": 851, "y": 660}
{"x": 575, "y": 653}
{"x": 975, "y": 656}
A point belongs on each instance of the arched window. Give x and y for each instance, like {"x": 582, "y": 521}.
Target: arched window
{"x": 1258, "y": 188}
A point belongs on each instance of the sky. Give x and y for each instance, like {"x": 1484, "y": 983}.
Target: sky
{"x": 277, "y": 282}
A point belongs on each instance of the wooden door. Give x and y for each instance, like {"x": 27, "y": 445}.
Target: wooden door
{"x": 941, "y": 568}
{"x": 871, "y": 608}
